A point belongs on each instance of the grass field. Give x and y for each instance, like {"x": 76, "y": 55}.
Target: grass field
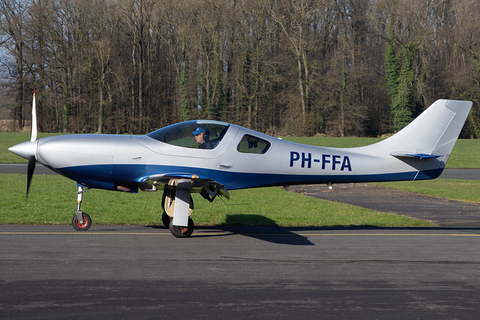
{"x": 52, "y": 200}
{"x": 462, "y": 190}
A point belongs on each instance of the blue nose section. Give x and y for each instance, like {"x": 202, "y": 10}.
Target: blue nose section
{"x": 25, "y": 149}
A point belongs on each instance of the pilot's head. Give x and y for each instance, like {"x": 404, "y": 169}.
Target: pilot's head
{"x": 201, "y": 135}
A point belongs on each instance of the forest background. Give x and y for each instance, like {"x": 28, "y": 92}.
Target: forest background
{"x": 290, "y": 67}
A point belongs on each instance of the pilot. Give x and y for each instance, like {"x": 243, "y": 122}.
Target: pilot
{"x": 201, "y": 137}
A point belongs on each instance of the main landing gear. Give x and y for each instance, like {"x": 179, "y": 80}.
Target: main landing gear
{"x": 168, "y": 205}
{"x": 81, "y": 221}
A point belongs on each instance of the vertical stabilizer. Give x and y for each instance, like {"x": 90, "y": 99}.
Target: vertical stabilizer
{"x": 432, "y": 133}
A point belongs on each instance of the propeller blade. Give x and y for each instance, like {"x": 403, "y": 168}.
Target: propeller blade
{"x": 30, "y": 170}
{"x": 33, "y": 136}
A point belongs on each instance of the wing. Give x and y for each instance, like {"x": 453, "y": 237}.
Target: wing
{"x": 208, "y": 188}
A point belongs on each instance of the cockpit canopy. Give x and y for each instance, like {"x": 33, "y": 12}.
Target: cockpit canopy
{"x": 181, "y": 134}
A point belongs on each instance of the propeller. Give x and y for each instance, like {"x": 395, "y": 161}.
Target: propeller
{"x": 29, "y": 149}
{"x": 33, "y": 138}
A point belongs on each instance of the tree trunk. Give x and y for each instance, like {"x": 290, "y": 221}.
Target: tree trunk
{"x": 302, "y": 95}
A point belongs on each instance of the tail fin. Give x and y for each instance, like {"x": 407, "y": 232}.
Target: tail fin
{"x": 433, "y": 133}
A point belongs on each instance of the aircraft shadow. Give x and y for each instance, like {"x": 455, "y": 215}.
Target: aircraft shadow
{"x": 262, "y": 228}
{"x": 258, "y": 227}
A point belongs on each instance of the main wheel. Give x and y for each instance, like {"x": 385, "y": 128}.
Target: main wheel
{"x": 87, "y": 223}
{"x": 182, "y": 232}
{"x": 166, "y": 219}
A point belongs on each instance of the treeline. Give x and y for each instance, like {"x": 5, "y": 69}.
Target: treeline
{"x": 339, "y": 67}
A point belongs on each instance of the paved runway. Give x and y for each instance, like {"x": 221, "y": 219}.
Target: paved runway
{"x": 133, "y": 272}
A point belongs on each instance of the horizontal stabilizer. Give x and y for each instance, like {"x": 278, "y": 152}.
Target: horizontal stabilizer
{"x": 414, "y": 155}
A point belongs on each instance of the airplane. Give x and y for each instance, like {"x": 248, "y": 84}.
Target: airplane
{"x": 213, "y": 157}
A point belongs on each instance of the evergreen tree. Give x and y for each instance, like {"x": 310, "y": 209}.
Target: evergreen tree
{"x": 404, "y": 103}
{"x": 391, "y": 65}
{"x": 400, "y": 78}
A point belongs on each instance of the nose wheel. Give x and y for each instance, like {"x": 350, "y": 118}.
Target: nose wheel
{"x": 84, "y": 225}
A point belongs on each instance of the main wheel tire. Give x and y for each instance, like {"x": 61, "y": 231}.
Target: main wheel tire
{"x": 166, "y": 219}
{"x": 87, "y": 223}
{"x": 182, "y": 232}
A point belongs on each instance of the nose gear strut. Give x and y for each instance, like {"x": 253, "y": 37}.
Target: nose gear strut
{"x": 81, "y": 221}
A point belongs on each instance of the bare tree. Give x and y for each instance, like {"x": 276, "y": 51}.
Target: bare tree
{"x": 296, "y": 19}
{"x": 12, "y": 25}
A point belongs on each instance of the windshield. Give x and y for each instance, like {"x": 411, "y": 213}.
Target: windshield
{"x": 184, "y": 134}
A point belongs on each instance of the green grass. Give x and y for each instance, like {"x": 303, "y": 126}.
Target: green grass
{"x": 52, "y": 200}
{"x": 462, "y": 190}
{"x": 465, "y": 154}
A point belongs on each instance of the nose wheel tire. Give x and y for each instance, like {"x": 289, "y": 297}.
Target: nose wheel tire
{"x": 182, "y": 232}
{"x": 87, "y": 223}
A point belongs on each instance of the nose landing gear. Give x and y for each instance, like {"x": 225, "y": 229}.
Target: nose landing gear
{"x": 81, "y": 221}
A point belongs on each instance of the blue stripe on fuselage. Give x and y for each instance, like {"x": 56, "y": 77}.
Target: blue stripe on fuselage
{"x": 105, "y": 176}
